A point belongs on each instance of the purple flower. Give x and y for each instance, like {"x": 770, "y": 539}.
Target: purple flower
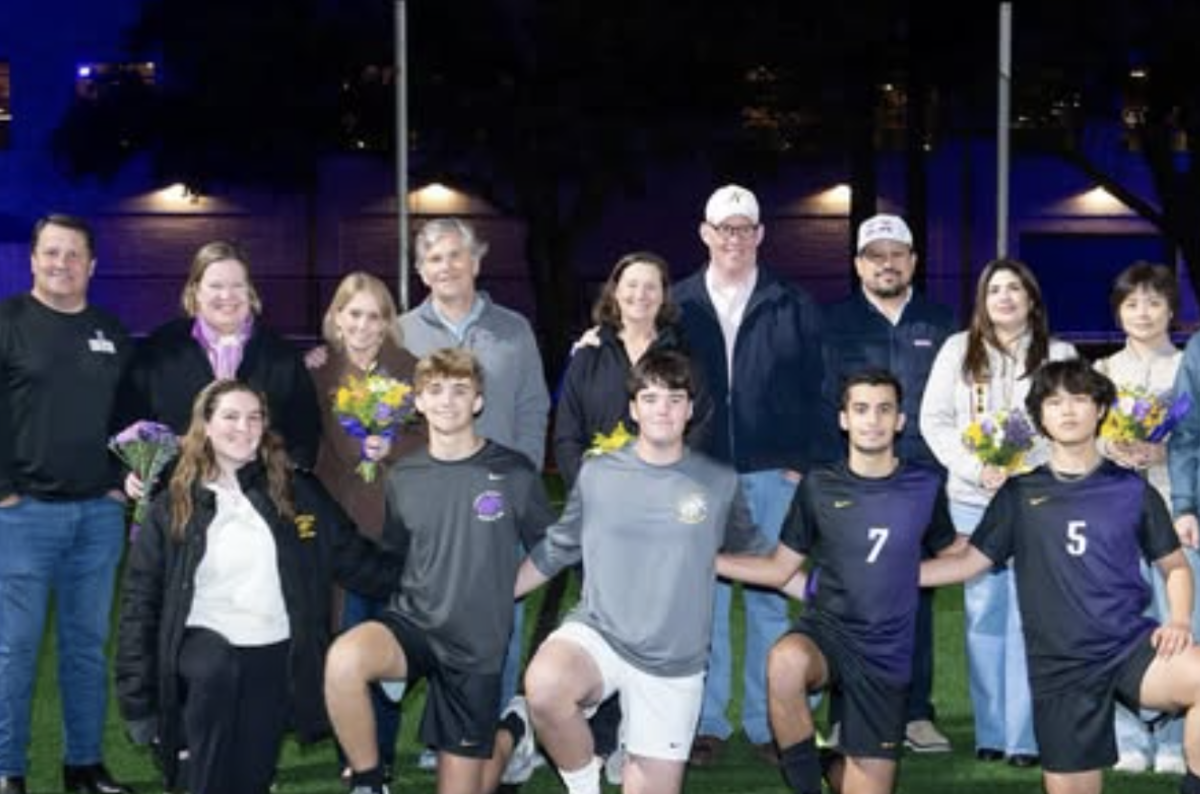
{"x": 1017, "y": 432}
{"x": 1179, "y": 409}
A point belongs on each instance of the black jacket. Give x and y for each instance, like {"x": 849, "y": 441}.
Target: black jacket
{"x": 770, "y": 418}
{"x": 170, "y": 368}
{"x": 858, "y": 337}
{"x": 593, "y": 398}
{"x": 157, "y": 590}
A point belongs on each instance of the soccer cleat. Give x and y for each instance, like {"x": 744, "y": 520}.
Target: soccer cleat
{"x": 381, "y": 789}
{"x": 1131, "y": 761}
{"x": 524, "y": 759}
{"x": 427, "y": 760}
{"x": 922, "y": 736}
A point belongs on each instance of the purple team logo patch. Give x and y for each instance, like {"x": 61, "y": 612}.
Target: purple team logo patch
{"x": 489, "y": 506}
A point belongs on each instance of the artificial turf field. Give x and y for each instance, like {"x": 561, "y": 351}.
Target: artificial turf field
{"x": 313, "y": 770}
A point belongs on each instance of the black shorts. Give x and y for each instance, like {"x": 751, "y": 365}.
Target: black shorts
{"x": 1074, "y": 727}
{"x": 873, "y": 709}
{"x": 461, "y": 707}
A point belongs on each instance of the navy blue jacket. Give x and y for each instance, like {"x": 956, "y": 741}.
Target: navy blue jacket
{"x": 770, "y": 419}
{"x": 858, "y": 336}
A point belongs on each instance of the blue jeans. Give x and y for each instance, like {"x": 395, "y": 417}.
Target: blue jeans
{"x": 72, "y": 549}
{"x": 1132, "y": 732}
{"x": 768, "y": 494}
{"x": 996, "y": 663}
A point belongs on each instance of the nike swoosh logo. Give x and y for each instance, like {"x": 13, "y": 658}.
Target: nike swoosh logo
{"x": 840, "y": 503}
{"x": 1034, "y": 501}
{"x": 495, "y": 477}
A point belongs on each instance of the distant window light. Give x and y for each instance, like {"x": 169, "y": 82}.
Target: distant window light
{"x": 5, "y": 104}
{"x": 94, "y": 80}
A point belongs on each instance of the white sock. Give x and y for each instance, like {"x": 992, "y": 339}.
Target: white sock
{"x": 583, "y": 781}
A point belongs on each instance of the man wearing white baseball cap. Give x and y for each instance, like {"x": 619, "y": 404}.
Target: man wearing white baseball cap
{"x": 887, "y": 324}
{"x": 755, "y": 341}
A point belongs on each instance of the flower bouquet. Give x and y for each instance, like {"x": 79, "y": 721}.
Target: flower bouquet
{"x": 375, "y": 405}
{"x": 145, "y": 448}
{"x": 610, "y": 442}
{"x": 1000, "y": 438}
{"x": 1139, "y": 414}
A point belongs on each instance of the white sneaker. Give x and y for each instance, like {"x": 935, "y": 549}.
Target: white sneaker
{"x": 1170, "y": 762}
{"x": 368, "y": 790}
{"x": 1131, "y": 761}
{"x": 614, "y": 767}
{"x": 525, "y": 758}
{"x": 922, "y": 736}
{"x": 427, "y": 760}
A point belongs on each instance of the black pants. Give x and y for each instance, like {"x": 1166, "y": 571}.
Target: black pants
{"x": 235, "y": 712}
{"x": 920, "y": 693}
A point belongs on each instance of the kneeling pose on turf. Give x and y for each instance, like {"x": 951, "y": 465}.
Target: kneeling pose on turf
{"x": 864, "y": 523}
{"x": 1074, "y": 530}
{"x": 647, "y": 522}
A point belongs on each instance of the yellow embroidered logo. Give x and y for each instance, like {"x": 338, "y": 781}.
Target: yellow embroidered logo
{"x": 306, "y": 526}
{"x": 840, "y": 503}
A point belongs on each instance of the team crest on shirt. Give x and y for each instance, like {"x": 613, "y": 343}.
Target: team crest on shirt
{"x": 489, "y": 506}
{"x": 306, "y": 526}
{"x": 692, "y": 508}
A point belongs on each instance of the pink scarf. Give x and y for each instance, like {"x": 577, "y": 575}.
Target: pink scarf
{"x": 224, "y": 350}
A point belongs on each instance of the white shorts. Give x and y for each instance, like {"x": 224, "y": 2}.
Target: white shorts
{"x": 659, "y": 713}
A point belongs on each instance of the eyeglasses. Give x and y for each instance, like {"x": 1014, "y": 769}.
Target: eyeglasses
{"x": 729, "y": 231}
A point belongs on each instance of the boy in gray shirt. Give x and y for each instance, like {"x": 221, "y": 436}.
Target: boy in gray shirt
{"x": 647, "y": 521}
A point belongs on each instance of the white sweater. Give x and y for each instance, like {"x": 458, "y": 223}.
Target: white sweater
{"x": 947, "y": 410}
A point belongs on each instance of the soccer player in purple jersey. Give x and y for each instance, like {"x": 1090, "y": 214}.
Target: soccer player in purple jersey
{"x": 864, "y": 525}
{"x": 1074, "y": 530}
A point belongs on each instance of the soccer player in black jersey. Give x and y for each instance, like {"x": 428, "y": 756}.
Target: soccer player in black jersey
{"x": 864, "y": 524}
{"x": 1074, "y": 530}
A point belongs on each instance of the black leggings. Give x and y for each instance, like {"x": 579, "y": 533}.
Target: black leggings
{"x": 235, "y": 712}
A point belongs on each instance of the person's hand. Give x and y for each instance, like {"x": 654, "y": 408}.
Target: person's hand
{"x": 1171, "y": 639}
{"x": 1188, "y": 530}
{"x": 791, "y": 475}
{"x": 992, "y": 477}
{"x": 376, "y": 448}
{"x": 10, "y": 500}
{"x": 589, "y": 338}
{"x": 1152, "y": 454}
{"x": 134, "y": 487}
{"x": 316, "y": 358}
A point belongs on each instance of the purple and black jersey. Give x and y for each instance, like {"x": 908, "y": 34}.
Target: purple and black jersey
{"x": 865, "y": 537}
{"x": 1076, "y": 546}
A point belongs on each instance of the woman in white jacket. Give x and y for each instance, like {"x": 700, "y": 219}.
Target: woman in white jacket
{"x": 983, "y": 370}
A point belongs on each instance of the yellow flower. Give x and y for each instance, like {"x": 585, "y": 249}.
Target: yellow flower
{"x": 618, "y": 438}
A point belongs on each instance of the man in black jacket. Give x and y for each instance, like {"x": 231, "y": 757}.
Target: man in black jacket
{"x": 887, "y": 324}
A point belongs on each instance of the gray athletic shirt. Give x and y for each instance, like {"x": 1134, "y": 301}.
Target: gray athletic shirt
{"x": 648, "y": 537}
{"x": 457, "y": 525}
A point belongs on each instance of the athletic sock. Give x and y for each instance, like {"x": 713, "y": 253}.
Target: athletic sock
{"x": 585, "y": 780}
{"x": 801, "y": 767}
{"x": 513, "y": 723}
{"x": 1190, "y": 784}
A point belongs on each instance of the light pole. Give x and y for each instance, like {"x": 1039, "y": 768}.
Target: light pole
{"x": 401, "y": 29}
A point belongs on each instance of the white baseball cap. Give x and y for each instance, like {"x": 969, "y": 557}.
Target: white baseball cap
{"x": 729, "y": 201}
{"x": 884, "y": 227}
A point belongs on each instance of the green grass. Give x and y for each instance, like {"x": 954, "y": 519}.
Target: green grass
{"x": 312, "y": 770}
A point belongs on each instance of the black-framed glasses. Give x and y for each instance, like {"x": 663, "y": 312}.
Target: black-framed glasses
{"x": 730, "y": 231}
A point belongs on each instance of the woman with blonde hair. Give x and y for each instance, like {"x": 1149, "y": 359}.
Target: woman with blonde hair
{"x": 362, "y": 338}
{"x": 979, "y": 374}
{"x": 220, "y": 337}
{"x": 225, "y": 608}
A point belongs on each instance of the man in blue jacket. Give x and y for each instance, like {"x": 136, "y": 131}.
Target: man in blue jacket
{"x": 755, "y": 342}
{"x": 886, "y": 324}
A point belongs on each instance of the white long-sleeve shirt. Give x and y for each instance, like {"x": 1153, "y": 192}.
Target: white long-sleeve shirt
{"x": 950, "y": 404}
